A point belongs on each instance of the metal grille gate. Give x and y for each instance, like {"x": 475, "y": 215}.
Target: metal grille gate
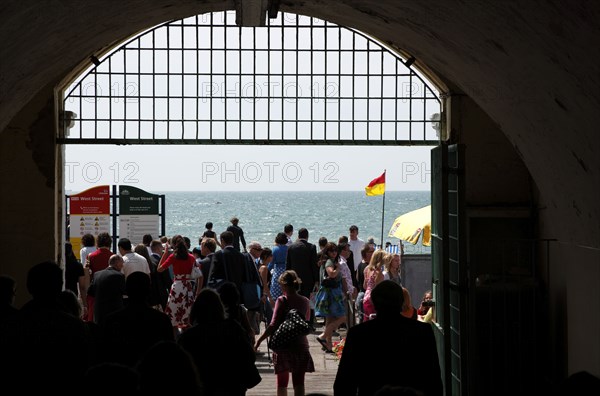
{"x": 205, "y": 80}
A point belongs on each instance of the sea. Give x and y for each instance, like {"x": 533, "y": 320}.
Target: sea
{"x": 263, "y": 214}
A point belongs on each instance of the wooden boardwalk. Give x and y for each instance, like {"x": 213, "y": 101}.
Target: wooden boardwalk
{"x": 321, "y": 381}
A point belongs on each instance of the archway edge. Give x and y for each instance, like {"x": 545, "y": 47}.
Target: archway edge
{"x": 519, "y": 65}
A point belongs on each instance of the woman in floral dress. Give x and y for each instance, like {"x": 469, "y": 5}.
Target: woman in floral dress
{"x": 181, "y": 296}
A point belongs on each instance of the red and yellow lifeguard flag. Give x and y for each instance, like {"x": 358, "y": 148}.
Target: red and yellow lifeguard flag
{"x": 377, "y": 186}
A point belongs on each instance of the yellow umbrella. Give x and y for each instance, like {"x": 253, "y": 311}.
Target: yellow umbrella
{"x": 410, "y": 226}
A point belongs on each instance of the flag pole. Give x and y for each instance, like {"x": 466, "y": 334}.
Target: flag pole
{"x": 383, "y": 213}
{"x": 382, "y": 218}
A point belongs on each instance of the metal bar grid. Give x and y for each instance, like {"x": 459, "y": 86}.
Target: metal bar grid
{"x": 256, "y": 142}
{"x": 344, "y": 102}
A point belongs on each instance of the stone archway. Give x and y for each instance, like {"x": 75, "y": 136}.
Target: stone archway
{"x": 526, "y": 71}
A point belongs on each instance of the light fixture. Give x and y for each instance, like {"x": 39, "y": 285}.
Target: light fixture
{"x": 67, "y": 119}
{"x": 251, "y": 13}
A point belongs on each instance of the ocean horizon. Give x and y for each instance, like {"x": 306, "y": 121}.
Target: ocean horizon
{"x": 263, "y": 214}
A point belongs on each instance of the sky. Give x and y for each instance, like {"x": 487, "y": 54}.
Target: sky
{"x": 246, "y": 168}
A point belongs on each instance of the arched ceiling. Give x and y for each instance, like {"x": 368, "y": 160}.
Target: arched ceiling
{"x": 532, "y": 66}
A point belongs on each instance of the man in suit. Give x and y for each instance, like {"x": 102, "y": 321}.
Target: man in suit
{"x": 207, "y": 250}
{"x": 411, "y": 354}
{"x": 238, "y": 234}
{"x": 302, "y": 258}
{"x": 252, "y": 261}
{"x": 108, "y": 288}
{"x": 228, "y": 264}
{"x": 164, "y": 279}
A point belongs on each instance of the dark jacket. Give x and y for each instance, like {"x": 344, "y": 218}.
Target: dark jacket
{"x": 131, "y": 331}
{"x": 107, "y": 288}
{"x": 302, "y": 258}
{"x": 412, "y": 356}
{"x": 205, "y": 266}
{"x": 222, "y": 353}
{"x": 238, "y": 236}
{"x": 229, "y": 264}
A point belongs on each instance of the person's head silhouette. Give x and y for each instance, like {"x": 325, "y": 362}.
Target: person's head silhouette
{"x": 45, "y": 280}
{"x": 137, "y": 286}
{"x": 387, "y": 298}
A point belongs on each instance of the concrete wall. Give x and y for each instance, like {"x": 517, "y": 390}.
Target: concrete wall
{"x": 495, "y": 175}
{"x": 573, "y": 274}
{"x": 27, "y": 191}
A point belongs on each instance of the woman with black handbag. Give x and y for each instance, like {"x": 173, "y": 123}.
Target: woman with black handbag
{"x": 294, "y": 358}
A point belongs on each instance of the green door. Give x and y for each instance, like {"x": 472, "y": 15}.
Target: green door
{"x": 449, "y": 272}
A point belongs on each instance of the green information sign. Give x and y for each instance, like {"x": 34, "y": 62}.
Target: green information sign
{"x": 133, "y": 200}
{"x": 138, "y": 214}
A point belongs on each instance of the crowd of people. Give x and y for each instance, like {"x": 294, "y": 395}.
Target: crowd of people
{"x": 119, "y": 310}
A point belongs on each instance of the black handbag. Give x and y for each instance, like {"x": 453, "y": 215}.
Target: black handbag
{"x": 328, "y": 282}
{"x": 289, "y": 330}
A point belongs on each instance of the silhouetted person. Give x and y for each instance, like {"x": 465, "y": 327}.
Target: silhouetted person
{"x": 411, "y": 357}
{"x": 238, "y": 235}
{"x": 109, "y": 379}
{"x": 166, "y": 368}
{"x": 50, "y": 344}
{"x": 132, "y": 330}
{"x": 219, "y": 347}
{"x": 70, "y": 304}
{"x": 230, "y": 297}
{"x": 75, "y": 278}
